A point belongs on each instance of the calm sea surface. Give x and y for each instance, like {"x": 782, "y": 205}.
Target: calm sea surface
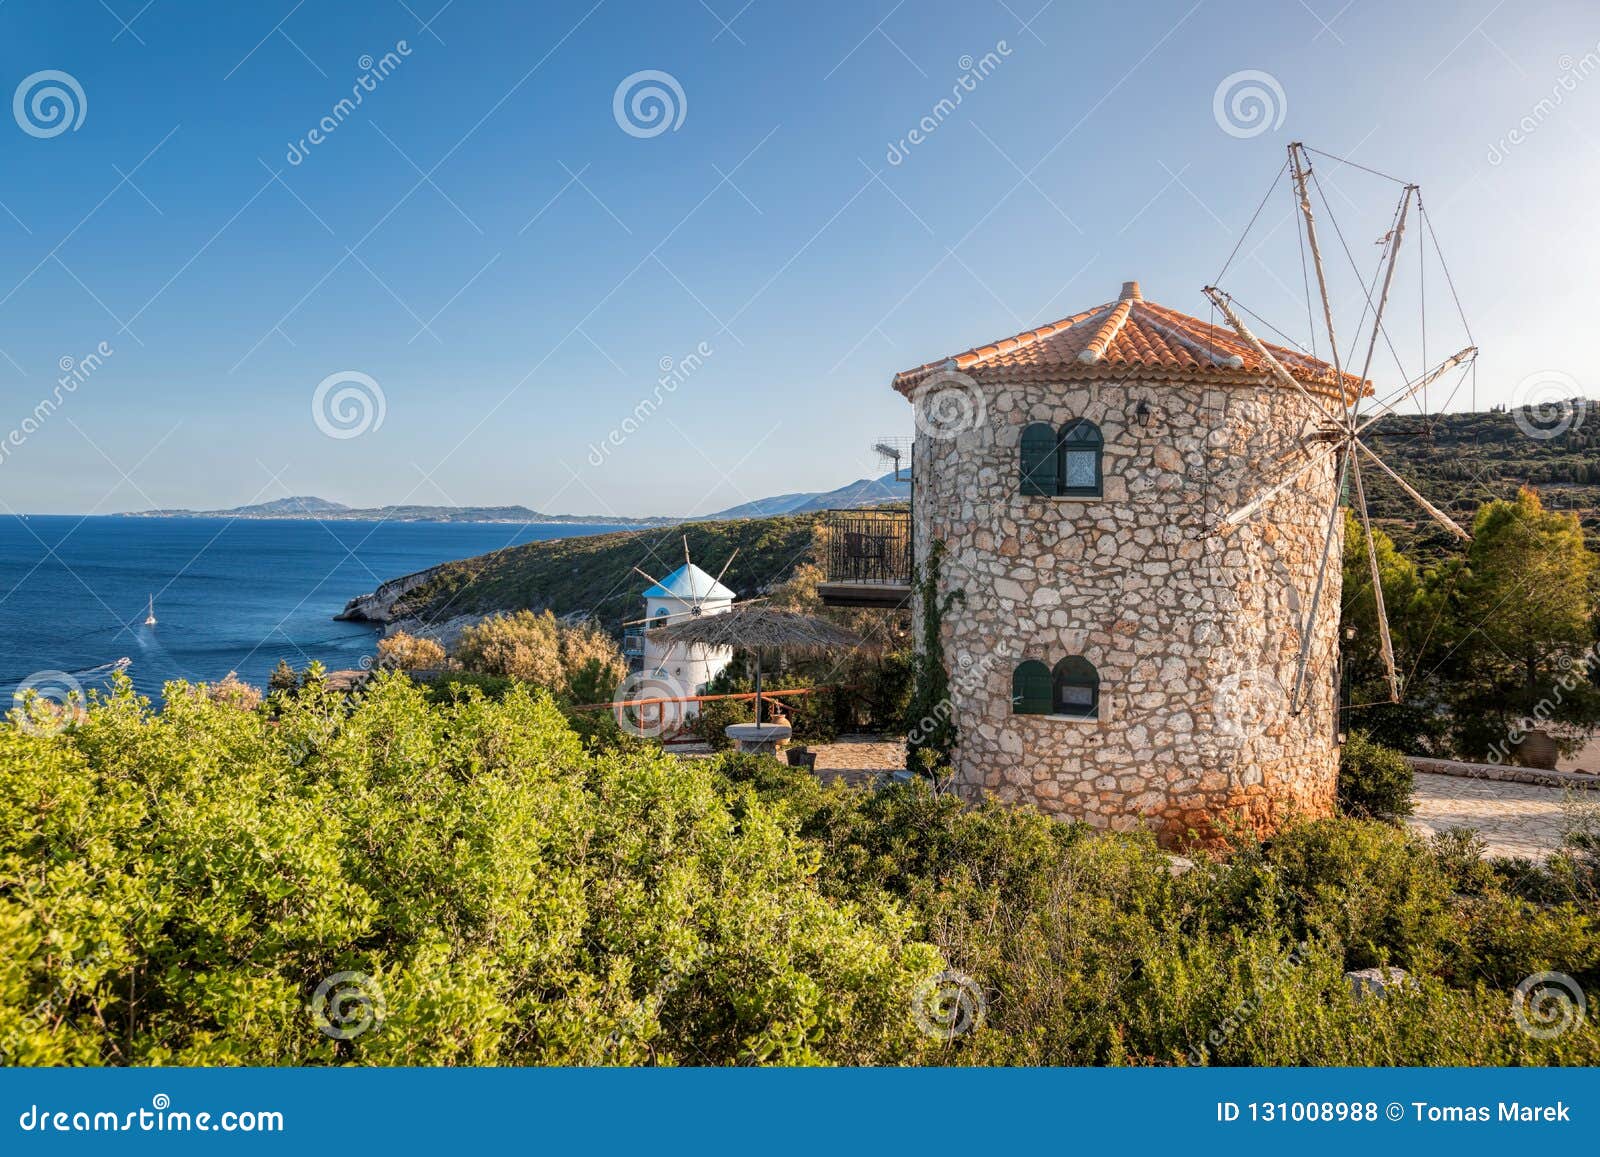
{"x": 230, "y": 596}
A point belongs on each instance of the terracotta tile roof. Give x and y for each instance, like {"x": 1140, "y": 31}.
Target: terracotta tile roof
{"x": 1129, "y": 333}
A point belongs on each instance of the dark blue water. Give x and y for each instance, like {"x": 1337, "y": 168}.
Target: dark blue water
{"x": 230, "y": 595}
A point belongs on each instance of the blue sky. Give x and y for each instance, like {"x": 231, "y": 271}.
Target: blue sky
{"x": 483, "y": 240}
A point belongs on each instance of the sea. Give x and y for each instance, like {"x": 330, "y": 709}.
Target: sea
{"x": 230, "y": 594}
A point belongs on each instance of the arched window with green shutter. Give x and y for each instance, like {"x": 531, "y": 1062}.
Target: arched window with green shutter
{"x": 1075, "y": 688}
{"x": 1030, "y": 689}
{"x": 1039, "y": 460}
{"x": 1078, "y": 459}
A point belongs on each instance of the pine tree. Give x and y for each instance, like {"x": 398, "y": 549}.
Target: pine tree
{"x": 283, "y": 679}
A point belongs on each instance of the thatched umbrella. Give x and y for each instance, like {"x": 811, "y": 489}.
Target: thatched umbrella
{"x": 761, "y": 628}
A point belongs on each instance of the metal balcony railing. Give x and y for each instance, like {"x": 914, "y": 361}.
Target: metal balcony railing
{"x": 868, "y": 546}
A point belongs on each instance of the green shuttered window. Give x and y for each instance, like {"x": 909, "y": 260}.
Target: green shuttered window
{"x": 1030, "y": 689}
{"x": 1062, "y": 463}
{"x": 1039, "y": 474}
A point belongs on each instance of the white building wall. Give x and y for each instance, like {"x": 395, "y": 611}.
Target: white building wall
{"x": 691, "y": 665}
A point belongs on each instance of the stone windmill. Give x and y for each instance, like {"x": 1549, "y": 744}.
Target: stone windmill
{"x": 1139, "y": 508}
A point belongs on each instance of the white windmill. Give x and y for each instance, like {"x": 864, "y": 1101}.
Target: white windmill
{"x": 687, "y": 592}
{"x": 1339, "y": 440}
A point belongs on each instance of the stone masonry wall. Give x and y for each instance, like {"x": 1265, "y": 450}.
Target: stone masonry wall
{"x": 1194, "y": 632}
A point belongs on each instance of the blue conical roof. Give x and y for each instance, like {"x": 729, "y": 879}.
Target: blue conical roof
{"x": 690, "y": 584}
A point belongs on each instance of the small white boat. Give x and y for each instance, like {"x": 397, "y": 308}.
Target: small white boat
{"x": 150, "y": 617}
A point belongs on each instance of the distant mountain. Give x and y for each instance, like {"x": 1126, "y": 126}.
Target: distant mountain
{"x": 326, "y": 511}
{"x": 299, "y": 506}
{"x": 862, "y": 492}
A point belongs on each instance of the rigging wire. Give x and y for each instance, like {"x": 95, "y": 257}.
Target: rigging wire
{"x": 1422, "y": 310}
{"x": 1328, "y": 208}
{"x": 1217, "y": 280}
{"x": 1450, "y": 281}
{"x": 1354, "y": 165}
{"x": 1292, "y": 341}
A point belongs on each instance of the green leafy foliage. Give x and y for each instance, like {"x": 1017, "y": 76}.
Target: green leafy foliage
{"x": 174, "y": 889}
{"x": 1489, "y": 644}
{"x": 1373, "y": 780}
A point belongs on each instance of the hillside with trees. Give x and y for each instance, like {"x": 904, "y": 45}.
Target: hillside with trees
{"x": 1462, "y": 461}
{"x": 595, "y": 574}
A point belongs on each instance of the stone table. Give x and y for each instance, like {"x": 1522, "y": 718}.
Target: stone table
{"x": 759, "y": 738}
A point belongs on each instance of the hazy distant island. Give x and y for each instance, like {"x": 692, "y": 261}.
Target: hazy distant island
{"x": 862, "y": 492}
{"x": 309, "y": 506}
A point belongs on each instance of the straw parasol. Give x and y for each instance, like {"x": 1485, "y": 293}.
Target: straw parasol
{"x": 762, "y": 628}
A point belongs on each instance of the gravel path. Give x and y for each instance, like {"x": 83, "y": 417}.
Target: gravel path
{"x": 1516, "y": 819}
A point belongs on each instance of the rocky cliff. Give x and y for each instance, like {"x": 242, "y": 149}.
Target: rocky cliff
{"x": 378, "y": 606}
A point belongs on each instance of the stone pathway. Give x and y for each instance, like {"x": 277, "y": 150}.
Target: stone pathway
{"x": 859, "y": 759}
{"x": 1516, "y": 819}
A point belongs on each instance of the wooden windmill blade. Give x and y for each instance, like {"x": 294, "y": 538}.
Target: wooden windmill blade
{"x": 1308, "y": 625}
{"x": 1386, "y": 642}
{"x": 727, "y": 564}
{"x": 1429, "y": 508}
{"x": 1249, "y": 509}
{"x": 1342, "y": 435}
{"x": 1464, "y": 357}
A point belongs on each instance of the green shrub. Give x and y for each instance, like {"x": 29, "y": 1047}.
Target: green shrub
{"x": 714, "y": 719}
{"x": 175, "y": 887}
{"x": 193, "y": 876}
{"x": 1373, "y": 780}
{"x": 459, "y": 684}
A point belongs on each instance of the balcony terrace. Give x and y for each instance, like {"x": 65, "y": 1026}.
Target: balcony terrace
{"x": 866, "y": 558}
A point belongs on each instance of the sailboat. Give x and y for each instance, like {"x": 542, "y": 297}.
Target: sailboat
{"x": 150, "y": 617}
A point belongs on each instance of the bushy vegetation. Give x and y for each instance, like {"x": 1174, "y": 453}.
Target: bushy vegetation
{"x": 539, "y": 649}
{"x": 174, "y": 888}
{"x": 405, "y": 652}
{"x": 1374, "y": 781}
{"x": 1491, "y": 642}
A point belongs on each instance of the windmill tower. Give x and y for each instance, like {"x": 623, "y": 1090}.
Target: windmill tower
{"x": 686, "y": 592}
{"x": 1142, "y": 512}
